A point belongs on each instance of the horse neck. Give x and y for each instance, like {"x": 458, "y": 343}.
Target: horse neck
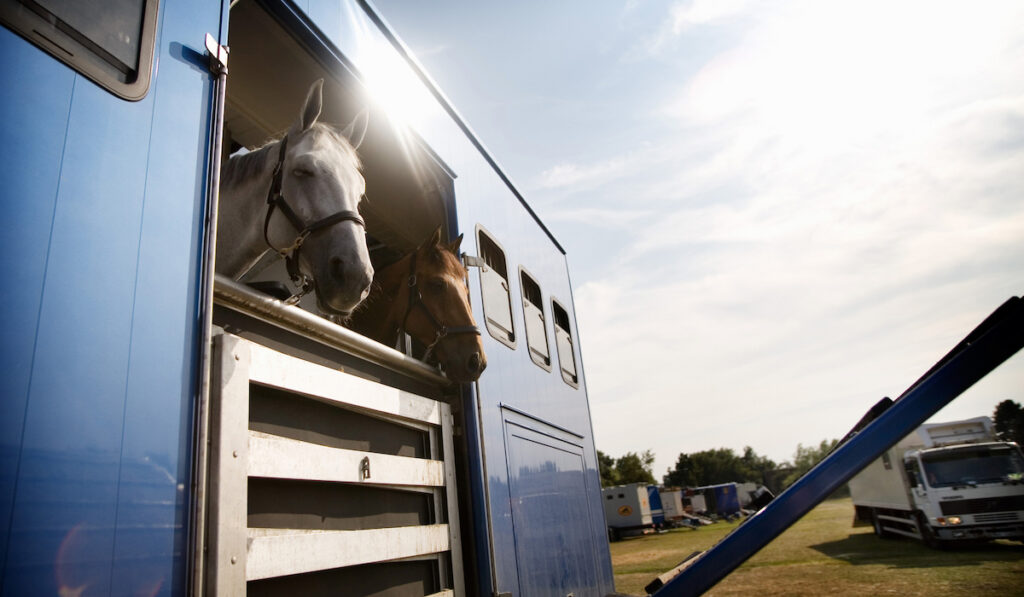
{"x": 380, "y": 315}
{"x": 242, "y": 207}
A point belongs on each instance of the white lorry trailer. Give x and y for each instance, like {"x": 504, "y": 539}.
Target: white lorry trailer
{"x": 945, "y": 482}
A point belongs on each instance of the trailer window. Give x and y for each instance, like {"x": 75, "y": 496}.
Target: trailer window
{"x": 563, "y": 340}
{"x": 494, "y": 285}
{"x": 536, "y": 324}
{"x": 109, "y": 42}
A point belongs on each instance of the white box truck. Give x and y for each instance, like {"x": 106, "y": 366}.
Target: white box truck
{"x": 945, "y": 482}
{"x": 626, "y": 508}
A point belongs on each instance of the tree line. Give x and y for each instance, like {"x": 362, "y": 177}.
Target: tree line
{"x": 724, "y": 465}
{"x": 712, "y": 467}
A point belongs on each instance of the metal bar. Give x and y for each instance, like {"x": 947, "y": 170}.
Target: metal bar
{"x": 241, "y": 298}
{"x": 451, "y": 487}
{"x": 198, "y": 484}
{"x": 275, "y": 369}
{"x": 995, "y": 340}
{"x": 276, "y": 457}
{"x": 229, "y": 452}
{"x": 281, "y": 552}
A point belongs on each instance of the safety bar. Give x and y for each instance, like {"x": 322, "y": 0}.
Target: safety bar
{"x": 998, "y": 338}
{"x": 240, "y": 297}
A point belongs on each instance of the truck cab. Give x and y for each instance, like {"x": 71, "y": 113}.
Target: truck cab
{"x": 969, "y": 491}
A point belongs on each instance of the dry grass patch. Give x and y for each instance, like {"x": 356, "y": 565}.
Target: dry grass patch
{"x": 824, "y": 554}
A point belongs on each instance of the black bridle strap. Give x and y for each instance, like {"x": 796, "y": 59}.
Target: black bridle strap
{"x": 416, "y": 299}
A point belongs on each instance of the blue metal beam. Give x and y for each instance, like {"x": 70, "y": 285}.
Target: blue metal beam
{"x": 990, "y": 344}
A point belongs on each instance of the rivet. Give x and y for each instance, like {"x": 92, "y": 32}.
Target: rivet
{"x": 234, "y": 559}
{"x": 234, "y": 454}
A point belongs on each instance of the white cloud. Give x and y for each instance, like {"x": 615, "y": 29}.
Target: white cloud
{"x": 838, "y": 204}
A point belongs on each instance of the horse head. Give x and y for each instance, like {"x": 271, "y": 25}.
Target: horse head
{"x": 314, "y": 220}
{"x": 437, "y": 311}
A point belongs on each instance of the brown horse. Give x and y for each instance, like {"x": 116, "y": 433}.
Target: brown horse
{"x": 425, "y": 294}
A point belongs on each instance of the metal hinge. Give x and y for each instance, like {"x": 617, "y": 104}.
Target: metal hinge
{"x": 218, "y": 55}
{"x": 473, "y": 261}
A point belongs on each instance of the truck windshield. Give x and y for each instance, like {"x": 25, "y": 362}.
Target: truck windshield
{"x": 970, "y": 466}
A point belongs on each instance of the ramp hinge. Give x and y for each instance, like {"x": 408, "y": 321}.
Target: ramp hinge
{"x": 218, "y": 55}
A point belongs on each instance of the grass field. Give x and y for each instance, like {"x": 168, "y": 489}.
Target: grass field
{"x": 824, "y": 555}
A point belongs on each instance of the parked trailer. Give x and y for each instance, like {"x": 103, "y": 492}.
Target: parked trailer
{"x": 945, "y": 482}
{"x": 627, "y": 508}
{"x": 165, "y": 432}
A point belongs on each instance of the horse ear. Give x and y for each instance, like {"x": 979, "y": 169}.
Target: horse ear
{"x": 454, "y": 245}
{"x": 355, "y": 132}
{"x": 314, "y": 103}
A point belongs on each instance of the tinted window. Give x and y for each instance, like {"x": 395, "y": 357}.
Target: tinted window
{"x": 111, "y": 42}
{"x": 563, "y": 340}
{"x": 536, "y": 325}
{"x": 494, "y": 286}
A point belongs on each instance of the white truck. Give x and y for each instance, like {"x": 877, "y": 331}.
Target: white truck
{"x": 945, "y": 482}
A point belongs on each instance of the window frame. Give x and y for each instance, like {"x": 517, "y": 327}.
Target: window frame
{"x": 62, "y": 45}
{"x": 554, "y": 322}
{"x": 493, "y": 329}
{"x": 546, "y": 362}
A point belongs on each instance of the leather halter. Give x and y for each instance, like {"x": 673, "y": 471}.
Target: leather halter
{"x": 416, "y": 300}
{"x": 276, "y": 200}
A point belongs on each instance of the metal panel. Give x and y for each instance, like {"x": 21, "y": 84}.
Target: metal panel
{"x": 229, "y": 453}
{"x": 280, "y": 552}
{"x": 274, "y": 369}
{"x": 281, "y": 458}
{"x": 31, "y": 146}
{"x": 103, "y": 316}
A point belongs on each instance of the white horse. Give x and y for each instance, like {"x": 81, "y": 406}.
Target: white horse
{"x": 299, "y": 196}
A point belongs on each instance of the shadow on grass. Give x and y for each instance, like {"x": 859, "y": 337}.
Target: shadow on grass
{"x": 866, "y": 548}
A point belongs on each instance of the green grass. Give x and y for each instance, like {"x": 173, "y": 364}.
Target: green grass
{"x": 824, "y": 554}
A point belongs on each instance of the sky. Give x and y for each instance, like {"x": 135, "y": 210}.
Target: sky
{"x": 775, "y": 213}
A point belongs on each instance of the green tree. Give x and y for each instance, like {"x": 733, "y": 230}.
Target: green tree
{"x": 635, "y": 468}
{"x": 1009, "y": 421}
{"x": 721, "y": 465}
{"x": 806, "y": 457}
{"x": 606, "y": 465}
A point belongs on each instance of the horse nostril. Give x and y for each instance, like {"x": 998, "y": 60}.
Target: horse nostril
{"x": 474, "y": 364}
{"x": 337, "y": 269}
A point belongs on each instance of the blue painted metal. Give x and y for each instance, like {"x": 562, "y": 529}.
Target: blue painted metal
{"x": 995, "y": 340}
{"x": 657, "y": 510}
{"x": 724, "y": 497}
{"x": 103, "y": 200}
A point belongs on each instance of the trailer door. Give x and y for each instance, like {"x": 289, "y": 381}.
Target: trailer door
{"x": 105, "y": 163}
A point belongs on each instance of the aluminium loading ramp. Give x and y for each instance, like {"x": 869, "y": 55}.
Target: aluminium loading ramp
{"x": 994, "y": 341}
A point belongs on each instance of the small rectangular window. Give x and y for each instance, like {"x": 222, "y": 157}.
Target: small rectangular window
{"x": 563, "y": 340}
{"x": 111, "y": 42}
{"x": 494, "y": 285}
{"x": 536, "y": 325}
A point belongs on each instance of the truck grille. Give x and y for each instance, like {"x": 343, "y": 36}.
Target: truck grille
{"x": 983, "y": 505}
{"x": 1001, "y": 517}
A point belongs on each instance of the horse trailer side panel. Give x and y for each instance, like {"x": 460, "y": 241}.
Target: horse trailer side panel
{"x": 550, "y": 513}
{"x": 31, "y": 143}
{"x": 101, "y": 463}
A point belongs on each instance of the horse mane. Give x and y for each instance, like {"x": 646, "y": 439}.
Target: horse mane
{"x": 240, "y": 168}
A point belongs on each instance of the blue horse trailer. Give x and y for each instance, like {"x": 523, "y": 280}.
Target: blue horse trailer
{"x": 166, "y": 431}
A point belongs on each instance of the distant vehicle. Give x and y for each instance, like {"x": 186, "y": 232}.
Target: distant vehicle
{"x": 627, "y": 509}
{"x": 945, "y": 482}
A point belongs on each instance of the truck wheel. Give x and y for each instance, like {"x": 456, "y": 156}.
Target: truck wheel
{"x": 927, "y": 534}
{"x": 879, "y": 531}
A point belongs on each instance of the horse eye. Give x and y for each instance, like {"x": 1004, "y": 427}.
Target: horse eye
{"x": 302, "y": 173}
{"x": 436, "y": 285}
